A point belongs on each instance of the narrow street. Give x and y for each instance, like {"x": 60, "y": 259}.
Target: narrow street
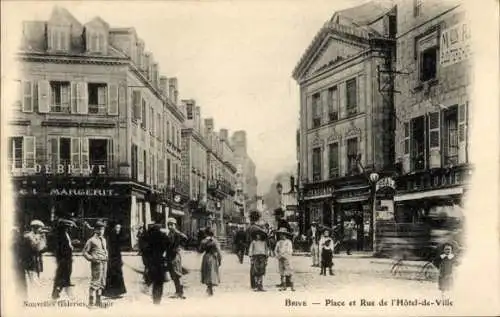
{"x": 355, "y": 278}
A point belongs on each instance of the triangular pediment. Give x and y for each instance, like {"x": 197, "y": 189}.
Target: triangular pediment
{"x": 97, "y": 23}
{"x": 61, "y": 16}
{"x": 332, "y": 51}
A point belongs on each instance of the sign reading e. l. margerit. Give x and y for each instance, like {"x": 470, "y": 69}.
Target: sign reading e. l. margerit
{"x": 455, "y": 44}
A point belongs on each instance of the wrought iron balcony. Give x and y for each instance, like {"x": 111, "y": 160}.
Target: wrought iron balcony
{"x": 221, "y": 186}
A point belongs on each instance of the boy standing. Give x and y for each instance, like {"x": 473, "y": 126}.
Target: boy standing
{"x": 258, "y": 253}
{"x": 95, "y": 251}
{"x": 284, "y": 251}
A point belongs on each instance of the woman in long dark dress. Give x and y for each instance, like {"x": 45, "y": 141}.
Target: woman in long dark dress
{"x": 211, "y": 261}
{"x": 115, "y": 285}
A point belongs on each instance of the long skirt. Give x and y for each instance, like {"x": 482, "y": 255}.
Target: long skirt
{"x": 285, "y": 267}
{"x": 63, "y": 273}
{"x": 98, "y": 272}
{"x": 259, "y": 265}
{"x": 210, "y": 269}
{"x": 115, "y": 284}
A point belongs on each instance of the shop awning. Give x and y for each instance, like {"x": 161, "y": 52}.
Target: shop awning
{"x": 176, "y": 212}
{"x": 431, "y": 193}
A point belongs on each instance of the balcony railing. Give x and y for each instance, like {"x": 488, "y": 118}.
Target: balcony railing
{"x": 222, "y": 186}
{"x": 20, "y": 167}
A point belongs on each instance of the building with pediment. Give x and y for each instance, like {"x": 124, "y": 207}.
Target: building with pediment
{"x": 96, "y": 131}
{"x": 346, "y": 116}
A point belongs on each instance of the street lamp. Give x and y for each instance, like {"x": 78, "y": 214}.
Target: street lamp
{"x": 374, "y": 177}
{"x": 279, "y": 189}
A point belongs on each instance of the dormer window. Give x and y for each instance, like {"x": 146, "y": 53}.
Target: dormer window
{"x": 96, "y": 41}
{"x": 58, "y": 37}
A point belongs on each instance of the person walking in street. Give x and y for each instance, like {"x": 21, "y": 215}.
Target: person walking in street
{"x": 326, "y": 246}
{"x": 211, "y": 261}
{"x": 34, "y": 244}
{"x": 155, "y": 245}
{"x": 446, "y": 263}
{"x": 240, "y": 240}
{"x": 64, "y": 258}
{"x": 258, "y": 253}
{"x": 350, "y": 236}
{"x": 95, "y": 251}
{"x": 142, "y": 243}
{"x": 115, "y": 284}
{"x": 313, "y": 235}
{"x": 174, "y": 260}
{"x": 284, "y": 251}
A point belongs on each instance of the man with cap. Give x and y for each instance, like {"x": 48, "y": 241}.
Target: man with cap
{"x": 173, "y": 255}
{"x": 35, "y": 243}
{"x": 313, "y": 236}
{"x": 96, "y": 252}
{"x": 64, "y": 258}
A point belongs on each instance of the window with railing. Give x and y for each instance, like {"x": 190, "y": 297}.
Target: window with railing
{"x": 333, "y": 160}
{"x": 316, "y": 110}
{"x": 352, "y": 156}
{"x": 97, "y": 94}
{"x": 351, "y": 97}
{"x": 333, "y": 104}
{"x": 60, "y": 97}
{"x": 450, "y": 136}
{"x": 316, "y": 164}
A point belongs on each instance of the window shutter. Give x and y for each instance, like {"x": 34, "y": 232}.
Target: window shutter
{"x": 43, "y": 96}
{"x": 50, "y": 38}
{"x": 27, "y": 96}
{"x": 53, "y": 153}
{"x": 136, "y": 101}
{"x": 434, "y": 140}
{"x": 74, "y": 97}
{"x": 66, "y": 97}
{"x": 146, "y": 170}
{"x": 122, "y": 98}
{"x": 113, "y": 99}
{"x": 83, "y": 100}
{"x": 85, "y": 162}
{"x": 29, "y": 151}
{"x": 360, "y": 92}
{"x": 406, "y": 146}
{"x": 110, "y": 158}
{"x": 462, "y": 133}
{"x": 75, "y": 154}
{"x": 140, "y": 163}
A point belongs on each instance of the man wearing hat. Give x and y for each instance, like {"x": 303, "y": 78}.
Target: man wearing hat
{"x": 313, "y": 236}
{"x": 96, "y": 252}
{"x": 258, "y": 253}
{"x": 254, "y": 218}
{"x": 35, "y": 242}
{"x": 64, "y": 258}
{"x": 174, "y": 260}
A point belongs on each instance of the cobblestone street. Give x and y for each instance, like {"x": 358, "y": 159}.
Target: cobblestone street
{"x": 353, "y": 276}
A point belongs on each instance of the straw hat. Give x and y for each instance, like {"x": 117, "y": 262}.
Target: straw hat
{"x": 36, "y": 223}
{"x": 284, "y": 231}
{"x": 172, "y": 220}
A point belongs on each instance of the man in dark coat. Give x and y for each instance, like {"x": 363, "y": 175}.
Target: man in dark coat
{"x": 155, "y": 246}
{"x": 64, "y": 258}
{"x": 240, "y": 240}
{"x": 174, "y": 261}
{"x": 281, "y": 221}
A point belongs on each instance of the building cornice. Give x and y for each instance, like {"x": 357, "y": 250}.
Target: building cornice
{"x": 196, "y": 135}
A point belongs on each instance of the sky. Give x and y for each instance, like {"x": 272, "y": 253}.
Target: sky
{"x": 235, "y": 58}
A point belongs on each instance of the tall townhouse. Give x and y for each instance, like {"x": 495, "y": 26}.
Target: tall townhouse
{"x": 346, "y": 117}
{"x": 87, "y": 135}
{"x": 221, "y": 181}
{"x": 195, "y": 168}
{"x": 433, "y": 109}
{"x": 246, "y": 179}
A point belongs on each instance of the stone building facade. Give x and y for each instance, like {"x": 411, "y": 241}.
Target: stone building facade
{"x": 433, "y": 109}
{"x": 346, "y": 121}
{"x": 89, "y": 137}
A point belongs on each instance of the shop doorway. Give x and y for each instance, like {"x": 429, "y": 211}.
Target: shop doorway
{"x": 345, "y": 231}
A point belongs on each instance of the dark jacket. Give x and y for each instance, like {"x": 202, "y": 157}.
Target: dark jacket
{"x": 240, "y": 239}
{"x": 310, "y": 237}
{"x": 63, "y": 248}
{"x": 155, "y": 244}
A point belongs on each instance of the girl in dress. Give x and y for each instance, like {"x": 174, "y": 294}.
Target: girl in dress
{"x": 446, "y": 262}
{"x": 211, "y": 261}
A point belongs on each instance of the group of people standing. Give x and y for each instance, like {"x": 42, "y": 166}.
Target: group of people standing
{"x": 102, "y": 250}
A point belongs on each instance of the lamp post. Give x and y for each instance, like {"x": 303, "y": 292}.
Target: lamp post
{"x": 374, "y": 177}
{"x": 279, "y": 189}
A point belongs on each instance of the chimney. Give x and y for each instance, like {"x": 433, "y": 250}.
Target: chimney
{"x": 172, "y": 89}
{"x": 209, "y": 124}
{"x": 223, "y": 135}
{"x": 140, "y": 54}
{"x": 197, "y": 118}
{"x": 164, "y": 86}
{"x": 147, "y": 63}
